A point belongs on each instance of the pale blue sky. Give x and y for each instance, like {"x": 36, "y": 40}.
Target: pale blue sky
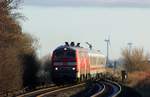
{"x": 54, "y": 25}
{"x": 132, "y": 3}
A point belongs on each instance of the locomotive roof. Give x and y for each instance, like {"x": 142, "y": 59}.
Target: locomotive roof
{"x": 80, "y": 49}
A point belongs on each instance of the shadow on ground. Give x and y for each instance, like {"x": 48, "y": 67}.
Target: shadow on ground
{"x": 129, "y": 92}
{"x": 144, "y": 88}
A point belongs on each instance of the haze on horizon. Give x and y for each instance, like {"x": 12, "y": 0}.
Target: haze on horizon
{"x": 55, "y": 21}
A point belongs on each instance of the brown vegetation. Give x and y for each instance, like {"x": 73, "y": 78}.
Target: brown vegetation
{"x": 138, "y": 67}
{"x": 140, "y": 80}
{"x": 135, "y": 78}
{"x": 135, "y": 60}
{"x": 14, "y": 45}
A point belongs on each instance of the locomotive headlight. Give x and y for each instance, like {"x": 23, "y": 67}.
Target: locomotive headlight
{"x": 65, "y": 49}
{"x": 73, "y": 68}
{"x": 56, "y": 68}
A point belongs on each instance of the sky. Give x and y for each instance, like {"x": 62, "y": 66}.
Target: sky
{"x": 88, "y": 2}
{"x": 55, "y": 21}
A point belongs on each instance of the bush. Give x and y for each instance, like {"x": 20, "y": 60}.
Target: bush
{"x": 135, "y": 60}
{"x": 17, "y": 52}
{"x": 30, "y": 69}
{"x": 44, "y": 73}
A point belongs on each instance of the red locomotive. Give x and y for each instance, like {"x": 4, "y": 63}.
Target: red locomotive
{"x": 75, "y": 63}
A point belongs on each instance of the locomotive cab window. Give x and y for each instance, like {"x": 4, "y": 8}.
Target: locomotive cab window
{"x": 69, "y": 54}
{"x": 65, "y": 54}
{"x": 58, "y": 54}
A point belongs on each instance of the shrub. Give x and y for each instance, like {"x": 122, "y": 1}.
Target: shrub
{"x": 135, "y": 60}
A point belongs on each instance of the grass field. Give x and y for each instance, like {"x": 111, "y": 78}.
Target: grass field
{"x": 140, "y": 80}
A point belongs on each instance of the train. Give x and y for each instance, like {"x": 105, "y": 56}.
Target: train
{"x": 72, "y": 63}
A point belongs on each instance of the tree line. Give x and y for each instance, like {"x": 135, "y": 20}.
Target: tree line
{"x": 18, "y": 61}
{"x": 135, "y": 59}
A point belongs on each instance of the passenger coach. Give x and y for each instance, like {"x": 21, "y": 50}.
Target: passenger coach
{"x": 75, "y": 63}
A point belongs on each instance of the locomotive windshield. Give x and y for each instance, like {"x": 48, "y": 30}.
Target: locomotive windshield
{"x": 64, "y": 54}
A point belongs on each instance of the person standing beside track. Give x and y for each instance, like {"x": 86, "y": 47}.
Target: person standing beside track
{"x": 123, "y": 75}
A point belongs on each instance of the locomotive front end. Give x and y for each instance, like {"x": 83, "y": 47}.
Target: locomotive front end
{"x": 64, "y": 65}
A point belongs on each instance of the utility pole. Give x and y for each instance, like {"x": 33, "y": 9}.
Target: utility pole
{"x": 107, "y": 42}
{"x": 130, "y": 47}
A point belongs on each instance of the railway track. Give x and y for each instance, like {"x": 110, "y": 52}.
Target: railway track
{"x": 95, "y": 89}
{"x": 110, "y": 89}
{"x": 49, "y": 91}
{"x": 101, "y": 89}
{"x": 37, "y": 92}
{"x": 61, "y": 92}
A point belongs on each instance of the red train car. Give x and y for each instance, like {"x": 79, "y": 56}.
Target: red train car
{"x": 75, "y": 63}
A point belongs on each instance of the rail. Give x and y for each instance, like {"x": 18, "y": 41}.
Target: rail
{"x": 119, "y": 88}
{"x": 100, "y": 91}
{"x": 113, "y": 86}
{"x": 37, "y": 92}
{"x": 59, "y": 90}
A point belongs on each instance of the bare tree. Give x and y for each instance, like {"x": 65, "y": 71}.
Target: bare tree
{"x": 13, "y": 45}
{"x": 135, "y": 60}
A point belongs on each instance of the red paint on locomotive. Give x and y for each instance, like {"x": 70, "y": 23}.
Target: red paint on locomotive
{"x": 79, "y": 65}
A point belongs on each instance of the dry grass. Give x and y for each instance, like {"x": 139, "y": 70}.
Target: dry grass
{"x": 140, "y": 81}
{"x": 136, "y": 63}
{"x": 137, "y": 77}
